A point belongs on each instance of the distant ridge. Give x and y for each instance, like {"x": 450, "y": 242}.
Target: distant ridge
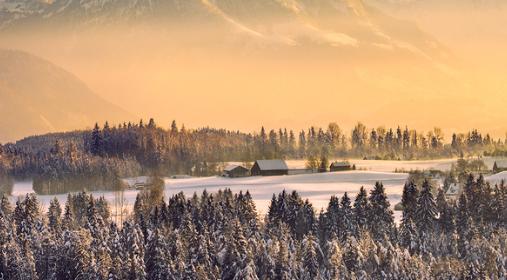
{"x": 39, "y": 97}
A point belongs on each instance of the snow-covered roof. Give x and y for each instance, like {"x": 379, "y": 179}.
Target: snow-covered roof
{"x": 453, "y": 189}
{"x": 232, "y": 167}
{"x": 340, "y": 164}
{"x": 501, "y": 163}
{"x": 497, "y": 178}
{"x": 272, "y": 164}
{"x": 136, "y": 181}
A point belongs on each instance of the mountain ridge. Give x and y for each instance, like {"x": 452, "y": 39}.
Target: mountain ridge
{"x": 334, "y": 22}
{"x": 38, "y": 96}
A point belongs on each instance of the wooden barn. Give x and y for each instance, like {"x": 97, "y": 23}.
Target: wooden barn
{"x": 138, "y": 183}
{"x": 340, "y": 166}
{"x": 499, "y": 166}
{"x": 236, "y": 171}
{"x": 273, "y": 167}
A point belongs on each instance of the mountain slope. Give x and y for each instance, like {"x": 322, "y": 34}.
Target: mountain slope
{"x": 294, "y": 22}
{"x": 190, "y": 58}
{"x": 39, "y": 97}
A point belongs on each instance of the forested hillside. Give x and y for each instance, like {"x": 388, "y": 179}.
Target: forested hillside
{"x": 221, "y": 236}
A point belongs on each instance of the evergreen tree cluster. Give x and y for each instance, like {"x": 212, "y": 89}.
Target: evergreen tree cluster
{"x": 220, "y": 236}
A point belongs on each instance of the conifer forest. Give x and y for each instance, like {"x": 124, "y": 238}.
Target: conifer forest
{"x": 221, "y": 236}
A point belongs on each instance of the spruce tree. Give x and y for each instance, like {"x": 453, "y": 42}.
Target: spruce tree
{"x": 463, "y": 225}
{"x": 380, "y": 216}
{"x": 426, "y": 213}
{"x": 96, "y": 145}
{"x": 408, "y": 236}
{"x": 134, "y": 246}
{"x": 446, "y": 219}
{"x": 348, "y": 223}
{"x": 310, "y": 263}
{"x": 54, "y": 215}
{"x": 6, "y": 207}
{"x": 334, "y": 260}
{"x": 361, "y": 209}
{"x": 333, "y": 217}
{"x": 282, "y": 265}
{"x": 156, "y": 259}
{"x": 409, "y": 200}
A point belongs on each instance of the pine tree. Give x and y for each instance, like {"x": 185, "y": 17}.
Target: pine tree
{"x": 463, "y": 225}
{"x": 426, "y": 213}
{"x": 409, "y": 237}
{"x": 54, "y": 215}
{"x": 117, "y": 254}
{"x": 97, "y": 145}
{"x": 76, "y": 259}
{"x": 230, "y": 265}
{"x": 310, "y": 262}
{"x": 68, "y": 221}
{"x": 333, "y": 217}
{"x": 134, "y": 246}
{"x": 348, "y": 222}
{"x": 334, "y": 260}
{"x": 282, "y": 265}
{"x": 247, "y": 213}
{"x": 361, "y": 209}
{"x": 46, "y": 256}
{"x": 351, "y": 255}
{"x": 380, "y": 216}
{"x": 472, "y": 272}
{"x": 446, "y": 220}
{"x": 6, "y": 207}
{"x": 157, "y": 261}
{"x": 409, "y": 200}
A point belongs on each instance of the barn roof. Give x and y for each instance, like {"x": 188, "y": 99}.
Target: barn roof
{"x": 453, "y": 189}
{"x": 138, "y": 181}
{"x": 272, "y": 164}
{"x": 501, "y": 163}
{"x": 233, "y": 166}
{"x": 340, "y": 164}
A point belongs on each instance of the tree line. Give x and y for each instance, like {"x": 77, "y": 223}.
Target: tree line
{"x": 98, "y": 157}
{"x": 221, "y": 236}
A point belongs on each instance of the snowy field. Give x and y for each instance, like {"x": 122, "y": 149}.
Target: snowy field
{"x": 392, "y": 165}
{"x": 318, "y": 188}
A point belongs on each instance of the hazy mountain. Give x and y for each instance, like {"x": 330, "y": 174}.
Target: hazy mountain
{"x": 456, "y": 4}
{"x": 37, "y": 97}
{"x": 260, "y": 61}
{"x": 292, "y": 22}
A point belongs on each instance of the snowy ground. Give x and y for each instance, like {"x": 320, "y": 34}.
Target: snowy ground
{"x": 392, "y": 165}
{"x": 316, "y": 187}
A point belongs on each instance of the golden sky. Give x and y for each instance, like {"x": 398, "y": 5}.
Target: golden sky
{"x": 451, "y": 74}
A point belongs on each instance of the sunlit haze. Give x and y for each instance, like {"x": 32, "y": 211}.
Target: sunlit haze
{"x": 289, "y": 65}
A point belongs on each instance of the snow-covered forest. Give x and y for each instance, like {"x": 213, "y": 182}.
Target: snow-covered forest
{"x": 74, "y": 161}
{"x": 221, "y": 236}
